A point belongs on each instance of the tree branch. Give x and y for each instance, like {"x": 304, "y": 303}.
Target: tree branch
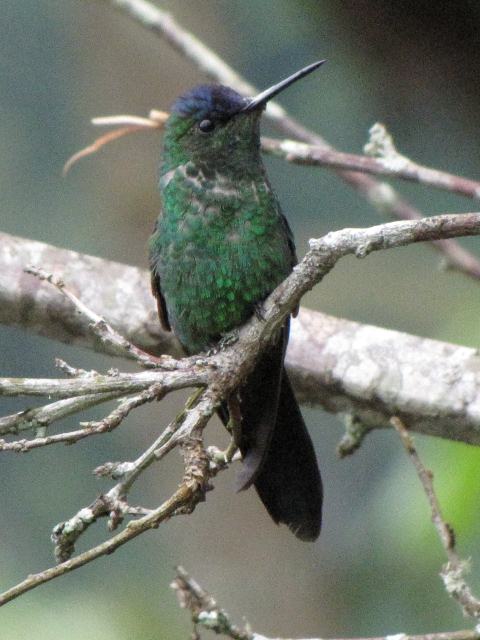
{"x": 110, "y": 422}
{"x": 453, "y": 573}
{"x": 433, "y": 386}
{"x": 184, "y": 495}
{"x": 118, "y": 383}
{"x": 98, "y": 326}
{"x": 184, "y": 500}
{"x": 221, "y": 374}
{"x": 206, "y": 613}
{"x": 392, "y": 165}
{"x": 39, "y": 418}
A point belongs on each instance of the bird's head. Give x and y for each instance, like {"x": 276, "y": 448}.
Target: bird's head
{"x": 215, "y": 125}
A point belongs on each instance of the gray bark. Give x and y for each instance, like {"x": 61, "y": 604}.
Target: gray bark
{"x": 345, "y": 367}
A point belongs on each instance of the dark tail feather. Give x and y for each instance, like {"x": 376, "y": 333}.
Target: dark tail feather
{"x": 259, "y": 399}
{"x": 289, "y": 482}
{"x": 278, "y": 455}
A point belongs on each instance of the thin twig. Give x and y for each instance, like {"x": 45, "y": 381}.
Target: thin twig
{"x": 127, "y": 125}
{"x": 184, "y": 495}
{"x": 380, "y": 195}
{"x": 184, "y": 500}
{"x": 203, "y": 608}
{"x": 114, "y": 502}
{"x": 92, "y": 428}
{"x": 121, "y": 383}
{"x": 454, "y": 571}
{"x": 38, "y": 418}
{"x": 206, "y": 613}
{"x": 392, "y": 166}
{"x": 99, "y": 327}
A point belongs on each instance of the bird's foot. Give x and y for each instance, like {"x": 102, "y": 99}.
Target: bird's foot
{"x": 227, "y": 340}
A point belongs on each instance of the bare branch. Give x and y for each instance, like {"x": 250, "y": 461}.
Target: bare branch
{"x": 434, "y": 386}
{"x": 206, "y": 613}
{"x": 39, "y": 418}
{"x": 108, "y": 423}
{"x": 164, "y": 25}
{"x": 454, "y": 571}
{"x": 100, "y": 328}
{"x": 390, "y": 165}
{"x": 204, "y": 609}
{"x": 114, "y": 502}
{"x": 227, "y": 368}
{"x": 190, "y": 492}
{"x": 123, "y": 383}
{"x": 184, "y": 495}
{"x": 381, "y": 196}
{"x": 24, "y": 302}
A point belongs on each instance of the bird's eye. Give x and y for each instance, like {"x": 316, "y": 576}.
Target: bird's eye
{"x": 206, "y": 126}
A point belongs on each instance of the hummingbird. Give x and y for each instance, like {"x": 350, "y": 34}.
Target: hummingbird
{"x": 220, "y": 246}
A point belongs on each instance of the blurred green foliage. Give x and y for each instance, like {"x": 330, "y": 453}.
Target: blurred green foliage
{"x": 411, "y": 65}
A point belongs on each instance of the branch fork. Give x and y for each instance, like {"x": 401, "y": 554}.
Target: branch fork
{"x": 216, "y": 376}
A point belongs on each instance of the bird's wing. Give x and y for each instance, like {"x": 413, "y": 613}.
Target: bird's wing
{"x": 157, "y": 290}
{"x": 290, "y": 240}
{"x": 161, "y": 305}
{"x": 293, "y": 252}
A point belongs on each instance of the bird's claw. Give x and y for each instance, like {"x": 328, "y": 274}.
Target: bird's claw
{"x": 229, "y": 338}
{"x": 226, "y": 340}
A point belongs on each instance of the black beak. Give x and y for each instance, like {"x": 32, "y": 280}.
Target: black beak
{"x": 262, "y": 98}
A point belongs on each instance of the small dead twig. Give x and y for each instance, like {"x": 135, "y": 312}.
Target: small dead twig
{"x": 182, "y": 431}
{"x": 454, "y": 570}
{"x": 203, "y": 608}
{"x": 98, "y": 325}
{"x": 110, "y": 422}
{"x": 206, "y": 613}
{"x": 130, "y": 124}
{"x": 184, "y": 500}
{"x": 39, "y": 418}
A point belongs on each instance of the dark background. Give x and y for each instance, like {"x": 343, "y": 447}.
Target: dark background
{"x": 412, "y": 65}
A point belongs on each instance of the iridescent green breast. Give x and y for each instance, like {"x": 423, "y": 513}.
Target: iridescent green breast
{"x": 220, "y": 246}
